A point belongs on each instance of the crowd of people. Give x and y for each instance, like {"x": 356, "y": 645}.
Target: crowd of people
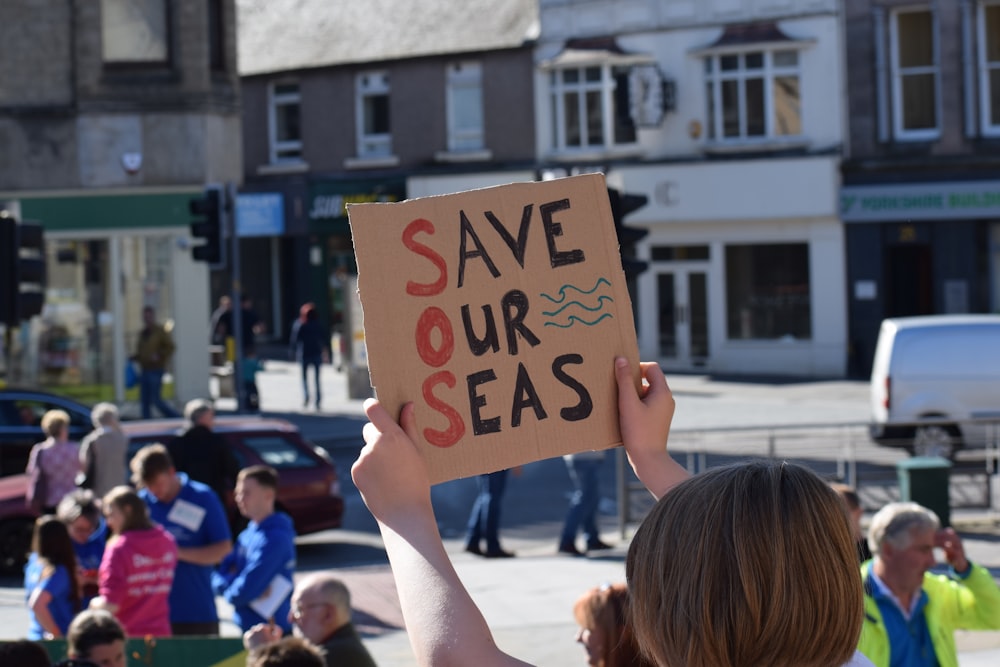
{"x": 148, "y": 558}
{"x": 754, "y": 563}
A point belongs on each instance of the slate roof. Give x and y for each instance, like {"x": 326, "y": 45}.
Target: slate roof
{"x": 282, "y": 35}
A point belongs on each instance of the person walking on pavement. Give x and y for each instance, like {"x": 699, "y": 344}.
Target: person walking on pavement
{"x": 153, "y": 353}
{"x": 484, "y": 520}
{"x": 584, "y": 468}
{"x": 910, "y": 614}
{"x": 321, "y": 614}
{"x": 254, "y": 574}
{"x": 53, "y": 464}
{"x": 310, "y": 346}
{"x": 202, "y": 453}
{"x": 102, "y": 452}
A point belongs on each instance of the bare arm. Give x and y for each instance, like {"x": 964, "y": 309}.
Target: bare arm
{"x": 39, "y": 603}
{"x": 210, "y": 554}
{"x": 644, "y": 418}
{"x": 444, "y": 625}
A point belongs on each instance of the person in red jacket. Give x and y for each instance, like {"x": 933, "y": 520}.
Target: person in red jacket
{"x": 137, "y": 569}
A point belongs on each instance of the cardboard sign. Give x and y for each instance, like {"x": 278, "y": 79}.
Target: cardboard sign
{"x": 499, "y": 313}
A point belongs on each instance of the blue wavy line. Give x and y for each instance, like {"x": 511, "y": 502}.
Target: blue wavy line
{"x": 562, "y": 290}
{"x": 574, "y": 318}
{"x": 600, "y": 305}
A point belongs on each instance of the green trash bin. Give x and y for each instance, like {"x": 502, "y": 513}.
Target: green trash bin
{"x": 925, "y": 480}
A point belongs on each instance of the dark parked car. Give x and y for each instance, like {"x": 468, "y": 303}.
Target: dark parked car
{"x": 308, "y": 487}
{"x": 21, "y": 413}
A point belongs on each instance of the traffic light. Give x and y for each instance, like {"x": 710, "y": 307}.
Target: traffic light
{"x": 209, "y": 224}
{"x": 22, "y": 270}
{"x": 622, "y": 204}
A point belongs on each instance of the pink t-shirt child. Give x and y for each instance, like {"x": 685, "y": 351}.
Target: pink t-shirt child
{"x": 136, "y": 574}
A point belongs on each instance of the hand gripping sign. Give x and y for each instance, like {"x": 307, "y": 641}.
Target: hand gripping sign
{"x": 499, "y": 313}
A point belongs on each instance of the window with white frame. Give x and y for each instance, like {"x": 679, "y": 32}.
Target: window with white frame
{"x": 989, "y": 67}
{"x": 285, "y": 128}
{"x": 591, "y": 107}
{"x": 753, "y": 95}
{"x": 915, "y": 74}
{"x": 465, "y": 107}
{"x": 374, "y": 138}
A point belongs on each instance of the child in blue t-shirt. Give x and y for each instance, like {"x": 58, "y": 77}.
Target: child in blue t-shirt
{"x": 50, "y": 580}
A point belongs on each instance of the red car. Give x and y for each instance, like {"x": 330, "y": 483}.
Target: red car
{"x": 308, "y": 485}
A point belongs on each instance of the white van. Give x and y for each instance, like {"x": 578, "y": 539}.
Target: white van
{"x": 940, "y": 369}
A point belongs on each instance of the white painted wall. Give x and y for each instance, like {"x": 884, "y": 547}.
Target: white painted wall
{"x": 822, "y": 79}
{"x": 427, "y": 186}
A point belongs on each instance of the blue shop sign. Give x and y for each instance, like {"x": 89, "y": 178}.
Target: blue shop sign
{"x": 260, "y": 214}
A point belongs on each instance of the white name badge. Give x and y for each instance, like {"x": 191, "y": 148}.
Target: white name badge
{"x": 269, "y": 601}
{"x": 187, "y": 515}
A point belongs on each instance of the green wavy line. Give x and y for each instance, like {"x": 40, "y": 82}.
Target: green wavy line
{"x": 574, "y": 318}
{"x": 599, "y": 306}
{"x": 562, "y": 290}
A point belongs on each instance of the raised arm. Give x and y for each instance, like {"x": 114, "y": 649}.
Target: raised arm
{"x": 644, "y": 419}
{"x": 444, "y": 625}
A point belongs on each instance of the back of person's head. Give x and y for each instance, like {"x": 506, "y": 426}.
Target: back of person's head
{"x": 104, "y": 414}
{"x": 150, "y": 462}
{"x": 605, "y": 611}
{"x": 91, "y": 628}
{"x": 135, "y": 512}
{"x": 896, "y": 522}
{"x": 79, "y": 503}
{"x": 307, "y": 312}
{"x": 24, "y": 653}
{"x": 197, "y": 408}
{"x": 287, "y": 652}
{"x": 54, "y": 422}
{"x": 264, "y": 475}
{"x": 746, "y": 565}
{"x": 54, "y": 546}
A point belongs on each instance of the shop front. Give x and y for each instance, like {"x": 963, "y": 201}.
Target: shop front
{"x": 918, "y": 249}
{"x": 108, "y": 257}
{"x": 745, "y": 266}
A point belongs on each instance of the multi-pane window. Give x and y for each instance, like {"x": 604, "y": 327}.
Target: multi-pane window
{"x": 285, "y": 127}
{"x": 767, "y": 292}
{"x": 591, "y": 107}
{"x": 753, "y": 95}
{"x": 134, "y": 31}
{"x": 374, "y": 138}
{"x": 915, "y": 72}
{"x": 989, "y": 67}
{"x": 465, "y": 107}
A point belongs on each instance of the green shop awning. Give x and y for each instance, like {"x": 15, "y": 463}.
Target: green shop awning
{"x": 328, "y": 200}
{"x": 109, "y": 212}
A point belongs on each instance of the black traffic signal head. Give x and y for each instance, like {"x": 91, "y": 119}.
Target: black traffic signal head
{"x": 208, "y": 224}
{"x": 622, "y": 204}
{"x": 22, "y": 269}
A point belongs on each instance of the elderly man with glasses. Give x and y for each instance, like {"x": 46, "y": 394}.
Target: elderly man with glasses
{"x": 320, "y": 613}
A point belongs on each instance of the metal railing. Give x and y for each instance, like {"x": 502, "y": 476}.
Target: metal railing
{"x": 832, "y": 450}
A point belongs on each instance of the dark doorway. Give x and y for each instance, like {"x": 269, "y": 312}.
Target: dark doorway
{"x": 908, "y": 280}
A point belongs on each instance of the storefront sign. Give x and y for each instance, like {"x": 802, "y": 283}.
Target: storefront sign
{"x": 328, "y": 201}
{"x": 260, "y": 214}
{"x": 920, "y": 201}
{"x": 499, "y": 313}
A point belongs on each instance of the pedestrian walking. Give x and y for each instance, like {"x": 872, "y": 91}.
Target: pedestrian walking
{"x": 203, "y": 454}
{"x": 103, "y": 451}
{"x": 310, "y": 346}
{"x": 584, "y": 469}
{"x": 53, "y": 464}
{"x": 484, "y": 519}
{"x": 153, "y": 352}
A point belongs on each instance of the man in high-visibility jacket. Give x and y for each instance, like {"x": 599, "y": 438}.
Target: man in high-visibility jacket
{"x": 910, "y": 614}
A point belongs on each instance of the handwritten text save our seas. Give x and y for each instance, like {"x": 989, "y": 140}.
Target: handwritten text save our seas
{"x": 484, "y": 330}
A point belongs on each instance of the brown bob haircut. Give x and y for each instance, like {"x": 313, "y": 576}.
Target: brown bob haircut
{"x": 135, "y": 512}
{"x": 746, "y": 565}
